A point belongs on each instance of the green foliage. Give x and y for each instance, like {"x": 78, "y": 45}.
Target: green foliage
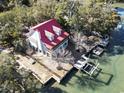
{"x": 70, "y": 14}
{"x": 13, "y": 22}
{"x": 11, "y": 80}
{"x": 10, "y": 4}
{"x": 75, "y": 17}
{"x": 7, "y": 31}
{"x": 15, "y": 80}
{"x": 97, "y": 18}
{"x": 67, "y": 13}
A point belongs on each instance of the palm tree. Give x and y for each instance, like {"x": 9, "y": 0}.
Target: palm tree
{"x": 78, "y": 39}
{"x": 65, "y": 56}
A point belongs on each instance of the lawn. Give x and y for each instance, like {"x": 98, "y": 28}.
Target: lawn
{"x": 118, "y": 5}
{"x": 79, "y": 84}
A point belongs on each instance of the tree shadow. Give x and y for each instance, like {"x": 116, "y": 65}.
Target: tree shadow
{"x": 105, "y": 59}
{"x": 104, "y": 78}
{"x": 116, "y": 46}
{"x": 86, "y": 81}
{"x": 115, "y": 49}
{"x": 69, "y": 77}
{"x": 75, "y": 53}
{"x": 52, "y": 90}
{"x": 98, "y": 80}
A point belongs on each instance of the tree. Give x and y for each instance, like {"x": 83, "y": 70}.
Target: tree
{"x": 13, "y": 22}
{"x": 14, "y": 80}
{"x": 64, "y": 57}
{"x": 77, "y": 18}
{"x": 96, "y": 20}
{"x": 8, "y": 75}
{"x": 67, "y": 13}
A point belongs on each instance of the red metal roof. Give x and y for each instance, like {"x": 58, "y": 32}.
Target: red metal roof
{"x": 47, "y": 25}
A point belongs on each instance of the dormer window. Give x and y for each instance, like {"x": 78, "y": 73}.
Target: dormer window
{"x": 49, "y": 35}
{"x": 57, "y": 30}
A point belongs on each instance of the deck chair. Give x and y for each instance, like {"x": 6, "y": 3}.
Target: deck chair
{"x": 80, "y": 63}
{"x": 90, "y": 68}
{"x": 98, "y": 50}
{"x": 104, "y": 41}
{"x": 85, "y": 57}
{"x": 86, "y": 67}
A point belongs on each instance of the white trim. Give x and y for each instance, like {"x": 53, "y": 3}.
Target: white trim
{"x": 41, "y": 24}
{"x": 35, "y": 41}
{"x": 57, "y": 50}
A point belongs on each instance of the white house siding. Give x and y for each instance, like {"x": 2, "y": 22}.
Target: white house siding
{"x": 36, "y": 42}
{"x": 62, "y": 46}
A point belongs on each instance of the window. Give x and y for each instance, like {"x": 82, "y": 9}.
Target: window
{"x": 48, "y": 54}
{"x": 61, "y": 48}
{"x": 65, "y": 44}
{"x": 57, "y": 30}
{"x": 49, "y": 35}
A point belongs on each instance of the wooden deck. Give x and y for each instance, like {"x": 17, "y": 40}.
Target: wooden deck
{"x": 58, "y": 75}
{"x": 38, "y": 70}
{"x": 44, "y": 69}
